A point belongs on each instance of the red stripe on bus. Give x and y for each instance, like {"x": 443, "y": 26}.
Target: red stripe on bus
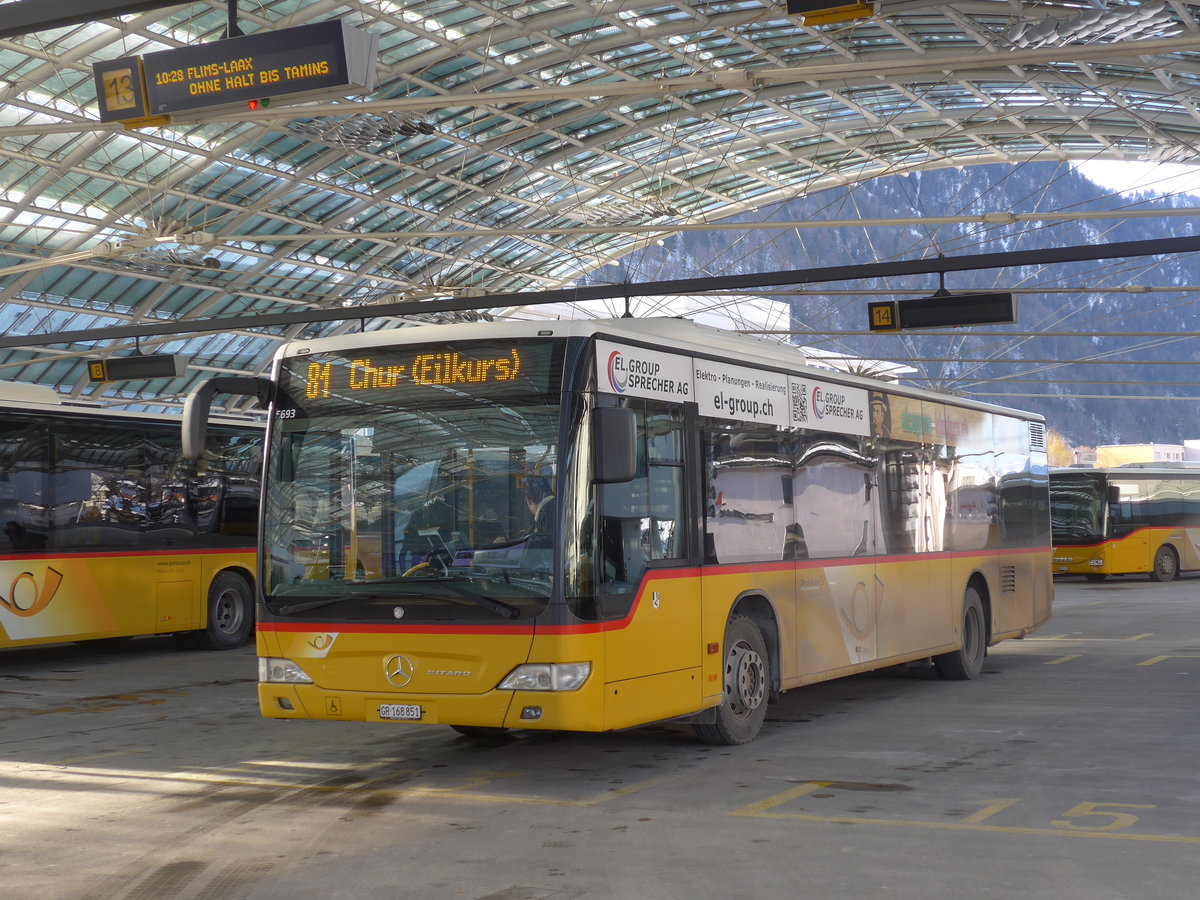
{"x": 1131, "y": 534}
{"x": 649, "y": 579}
{"x": 343, "y": 628}
{"x": 114, "y": 554}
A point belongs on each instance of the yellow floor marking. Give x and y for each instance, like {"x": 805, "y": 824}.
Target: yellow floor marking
{"x": 989, "y": 810}
{"x": 1069, "y": 637}
{"x": 302, "y": 764}
{"x": 1157, "y": 659}
{"x": 1063, "y": 659}
{"x": 761, "y": 807}
{"x": 455, "y": 794}
{"x": 761, "y": 810}
{"x": 999, "y": 829}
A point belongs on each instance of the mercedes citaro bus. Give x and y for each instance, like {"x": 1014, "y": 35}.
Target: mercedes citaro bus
{"x": 110, "y": 533}
{"x": 724, "y": 524}
{"x": 1132, "y": 519}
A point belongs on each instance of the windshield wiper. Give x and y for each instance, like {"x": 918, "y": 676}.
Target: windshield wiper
{"x": 293, "y": 608}
{"x": 499, "y": 607}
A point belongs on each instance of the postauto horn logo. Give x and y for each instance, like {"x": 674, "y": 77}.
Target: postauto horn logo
{"x": 26, "y": 598}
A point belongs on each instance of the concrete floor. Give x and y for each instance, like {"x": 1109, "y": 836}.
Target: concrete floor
{"x": 1068, "y": 770}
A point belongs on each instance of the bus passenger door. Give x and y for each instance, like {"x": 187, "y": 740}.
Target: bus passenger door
{"x": 836, "y": 497}
{"x": 1131, "y": 549}
{"x": 918, "y": 607}
{"x": 648, "y": 590}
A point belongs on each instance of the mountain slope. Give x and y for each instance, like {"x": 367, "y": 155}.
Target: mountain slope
{"x": 1096, "y": 387}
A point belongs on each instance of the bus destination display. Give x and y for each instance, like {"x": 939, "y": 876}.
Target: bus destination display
{"x": 300, "y": 60}
{"x": 444, "y": 369}
{"x": 487, "y": 368}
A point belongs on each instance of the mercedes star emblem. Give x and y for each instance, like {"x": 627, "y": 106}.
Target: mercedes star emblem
{"x": 399, "y": 669}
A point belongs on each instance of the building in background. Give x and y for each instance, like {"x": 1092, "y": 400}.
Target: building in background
{"x": 1109, "y": 455}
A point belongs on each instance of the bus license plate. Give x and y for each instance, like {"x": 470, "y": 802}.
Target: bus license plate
{"x": 408, "y": 711}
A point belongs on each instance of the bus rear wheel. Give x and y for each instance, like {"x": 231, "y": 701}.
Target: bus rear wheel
{"x": 747, "y": 684}
{"x": 967, "y": 661}
{"x": 230, "y": 614}
{"x": 1166, "y": 565}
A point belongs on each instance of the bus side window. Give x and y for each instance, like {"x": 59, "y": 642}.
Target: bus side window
{"x": 640, "y": 519}
{"x": 111, "y": 463}
{"x": 23, "y": 486}
{"x": 169, "y": 510}
{"x": 1190, "y": 493}
{"x": 623, "y": 563}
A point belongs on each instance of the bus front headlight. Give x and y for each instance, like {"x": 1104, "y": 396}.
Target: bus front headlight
{"x": 280, "y": 671}
{"x": 547, "y": 677}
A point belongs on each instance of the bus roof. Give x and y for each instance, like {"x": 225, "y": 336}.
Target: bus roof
{"x": 672, "y": 334}
{"x": 23, "y": 393}
{"x": 25, "y": 397}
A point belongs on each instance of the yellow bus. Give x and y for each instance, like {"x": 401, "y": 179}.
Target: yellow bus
{"x": 1139, "y": 518}
{"x": 110, "y": 533}
{"x": 594, "y": 525}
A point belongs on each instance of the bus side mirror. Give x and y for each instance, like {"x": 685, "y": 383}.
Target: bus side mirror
{"x": 1114, "y": 494}
{"x": 614, "y": 435}
{"x": 199, "y": 401}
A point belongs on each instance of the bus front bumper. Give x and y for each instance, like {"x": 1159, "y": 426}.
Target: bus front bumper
{"x": 1077, "y": 562}
{"x": 580, "y": 710}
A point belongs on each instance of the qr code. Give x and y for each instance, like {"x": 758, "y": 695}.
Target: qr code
{"x": 799, "y": 402}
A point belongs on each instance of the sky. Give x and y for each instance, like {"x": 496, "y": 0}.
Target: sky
{"x": 1161, "y": 178}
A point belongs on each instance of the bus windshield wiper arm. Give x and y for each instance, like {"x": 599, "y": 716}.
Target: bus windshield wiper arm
{"x": 307, "y": 605}
{"x": 293, "y": 608}
{"x": 491, "y": 603}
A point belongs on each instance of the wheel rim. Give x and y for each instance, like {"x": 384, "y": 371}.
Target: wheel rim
{"x": 745, "y": 679}
{"x": 1166, "y": 564}
{"x": 227, "y": 612}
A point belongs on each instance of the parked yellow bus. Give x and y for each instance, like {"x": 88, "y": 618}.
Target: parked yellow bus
{"x": 110, "y": 533}
{"x": 1132, "y": 519}
{"x": 593, "y": 525}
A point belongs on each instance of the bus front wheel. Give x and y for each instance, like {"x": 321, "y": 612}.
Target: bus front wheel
{"x": 230, "y": 614}
{"x": 747, "y": 685}
{"x": 967, "y": 661}
{"x": 1166, "y": 565}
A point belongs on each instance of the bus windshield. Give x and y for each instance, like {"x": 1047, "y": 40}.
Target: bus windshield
{"x": 1078, "y": 505}
{"x": 414, "y": 484}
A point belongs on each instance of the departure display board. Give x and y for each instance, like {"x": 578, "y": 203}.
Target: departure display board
{"x": 952, "y": 310}
{"x": 817, "y": 12}
{"x": 319, "y": 57}
{"x": 155, "y": 365}
{"x": 943, "y": 311}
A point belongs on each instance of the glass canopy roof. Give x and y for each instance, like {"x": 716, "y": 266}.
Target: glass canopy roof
{"x": 512, "y": 147}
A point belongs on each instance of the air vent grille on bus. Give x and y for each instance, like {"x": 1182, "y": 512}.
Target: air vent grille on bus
{"x": 1008, "y": 579}
{"x": 1037, "y": 436}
